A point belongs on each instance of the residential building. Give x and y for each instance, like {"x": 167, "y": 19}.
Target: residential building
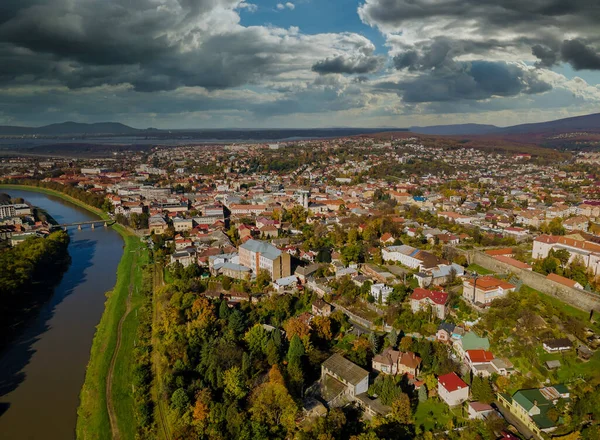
{"x": 343, "y": 378}
{"x": 557, "y": 345}
{"x": 321, "y": 307}
{"x": 587, "y": 251}
{"x": 483, "y": 290}
{"x": 423, "y": 299}
{"x": 531, "y": 406}
{"x": 259, "y": 255}
{"x": 381, "y": 292}
{"x": 452, "y": 389}
{"x": 394, "y": 362}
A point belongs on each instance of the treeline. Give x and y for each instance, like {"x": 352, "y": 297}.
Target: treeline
{"x": 29, "y": 272}
{"x": 142, "y": 370}
{"x": 95, "y": 200}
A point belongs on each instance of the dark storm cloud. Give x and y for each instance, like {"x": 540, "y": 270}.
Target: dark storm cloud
{"x": 487, "y": 13}
{"x": 476, "y": 80}
{"x": 342, "y": 64}
{"x": 580, "y": 56}
{"x": 535, "y": 26}
{"x": 152, "y": 46}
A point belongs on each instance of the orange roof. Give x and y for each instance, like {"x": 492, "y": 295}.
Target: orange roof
{"x": 480, "y": 355}
{"x": 512, "y": 262}
{"x": 561, "y": 280}
{"x": 490, "y": 283}
{"x": 505, "y": 251}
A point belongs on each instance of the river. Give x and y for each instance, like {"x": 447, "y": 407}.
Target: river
{"x": 42, "y": 372}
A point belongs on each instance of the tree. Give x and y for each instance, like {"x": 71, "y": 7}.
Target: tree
{"x": 295, "y": 326}
{"x": 272, "y": 405}
{"x": 422, "y": 393}
{"x": 201, "y": 409}
{"x": 322, "y": 325}
{"x": 272, "y": 352}
{"x": 406, "y": 343}
{"x": 401, "y": 411}
{"x": 392, "y": 338}
{"x": 257, "y": 338}
{"x": 482, "y": 390}
{"x": 296, "y": 349}
{"x": 180, "y": 400}
{"x": 226, "y": 283}
{"x": 374, "y": 341}
{"x": 234, "y": 384}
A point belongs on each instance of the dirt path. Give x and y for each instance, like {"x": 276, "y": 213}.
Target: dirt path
{"x": 109, "y": 377}
{"x": 161, "y": 411}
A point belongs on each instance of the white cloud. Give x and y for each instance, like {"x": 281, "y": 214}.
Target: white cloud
{"x": 289, "y": 5}
{"x": 250, "y": 7}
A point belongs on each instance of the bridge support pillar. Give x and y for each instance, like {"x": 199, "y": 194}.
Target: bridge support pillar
{"x": 105, "y": 225}
{"x": 79, "y": 227}
{"x": 65, "y": 229}
{"x": 93, "y": 226}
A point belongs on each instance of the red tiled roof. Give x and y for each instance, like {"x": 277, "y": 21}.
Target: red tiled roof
{"x": 480, "y": 356}
{"x": 512, "y": 262}
{"x": 437, "y": 297}
{"x": 452, "y": 382}
{"x": 561, "y": 280}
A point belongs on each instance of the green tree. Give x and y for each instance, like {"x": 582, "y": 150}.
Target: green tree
{"x": 296, "y": 349}
{"x": 180, "y": 401}
{"x": 234, "y": 383}
{"x": 401, "y": 411}
{"x": 422, "y": 393}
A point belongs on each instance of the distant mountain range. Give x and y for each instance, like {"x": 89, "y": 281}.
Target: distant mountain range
{"x": 68, "y": 128}
{"x": 587, "y": 123}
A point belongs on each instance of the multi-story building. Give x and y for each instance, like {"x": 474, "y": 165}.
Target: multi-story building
{"x": 259, "y": 255}
{"x": 452, "y": 389}
{"x": 484, "y": 290}
{"x": 587, "y": 251}
{"x": 531, "y": 406}
{"x": 421, "y": 299}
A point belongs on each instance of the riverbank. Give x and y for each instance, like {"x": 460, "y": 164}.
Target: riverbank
{"x": 103, "y": 215}
{"x": 111, "y": 354}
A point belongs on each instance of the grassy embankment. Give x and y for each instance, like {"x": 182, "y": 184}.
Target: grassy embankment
{"x": 93, "y": 420}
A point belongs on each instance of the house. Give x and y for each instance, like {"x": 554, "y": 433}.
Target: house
{"x": 281, "y": 284}
{"x": 394, "y": 362}
{"x": 480, "y": 362}
{"x": 186, "y": 257}
{"x": 321, "y": 307}
{"x": 452, "y": 389}
{"x": 506, "y": 252}
{"x": 531, "y": 406}
{"x": 577, "y": 223}
{"x": 232, "y": 270}
{"x": 513, "y": 262}
{"x": 303, "y": 273}
{"x": 342, "y": 380}
{"x": 387, "y": 238}
{"x": 381, "y": 292}
{"x": 557, "y": 345}
{"x": 479, "y": 410}
{"x": 483, "y": 290}
{"x": 259, "y": 255}
{"x": 440, "y": 275}
{"x": 564, "y": 281}
{"x": 444, "y": 332}
{"x": 422, "y": 299}
{"x": 470, "y": 341}
{"x": 182, "y": 224}
{"x": 157, "y": 224}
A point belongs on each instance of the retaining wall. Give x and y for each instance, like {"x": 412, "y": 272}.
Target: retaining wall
{"x": 577, "y": 298}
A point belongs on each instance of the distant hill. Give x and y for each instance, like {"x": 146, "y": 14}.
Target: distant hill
{"x": 70, "y": 128}
{"x": 587, "y": 123}
{"x": 458, "y": 129}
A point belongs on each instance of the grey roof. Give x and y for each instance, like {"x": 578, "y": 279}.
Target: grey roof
{"x": 265, "y": 249}
{"x": 345, "y": 369}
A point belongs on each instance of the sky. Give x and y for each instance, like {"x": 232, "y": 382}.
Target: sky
{"x": 298, "y": 64}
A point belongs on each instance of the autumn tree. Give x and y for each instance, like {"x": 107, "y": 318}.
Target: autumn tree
{"x": 295, "y": 326}
{"x": 401, "y": 411}
{"x": 322, "y": 326}
{"x": 272, "y": 405}
{"x": 234, "y": 383}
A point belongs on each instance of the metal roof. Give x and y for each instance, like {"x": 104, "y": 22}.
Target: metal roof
{"x": 348, "y": 371}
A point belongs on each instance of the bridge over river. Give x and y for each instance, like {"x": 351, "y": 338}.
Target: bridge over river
{"x": 80, "y": 225}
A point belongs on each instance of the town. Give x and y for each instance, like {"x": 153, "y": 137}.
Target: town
{"x": 358, "y": 286}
